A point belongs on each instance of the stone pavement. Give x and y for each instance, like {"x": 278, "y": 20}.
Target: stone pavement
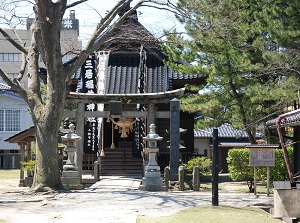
{"x": 111, "y": 200}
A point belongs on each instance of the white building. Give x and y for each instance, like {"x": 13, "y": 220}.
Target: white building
{"x": 14, "y": 117}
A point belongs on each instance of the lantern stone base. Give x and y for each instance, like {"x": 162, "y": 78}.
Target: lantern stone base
{"x": 152, "y": 182}
{"x": 28, "y": 181}
{"x": 71, "y": 180}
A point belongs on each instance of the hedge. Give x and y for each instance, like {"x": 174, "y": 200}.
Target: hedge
{"x": 239, "y": 168}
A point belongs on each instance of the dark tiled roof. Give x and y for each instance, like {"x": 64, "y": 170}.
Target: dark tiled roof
{"x": 123, "y": 74}
{"x": 291, "y": 121}
{"x": 27, "y": 133}
{"x": 224, "y": 131}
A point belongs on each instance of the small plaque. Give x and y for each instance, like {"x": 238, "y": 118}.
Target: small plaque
{"x": 262, "y": 157}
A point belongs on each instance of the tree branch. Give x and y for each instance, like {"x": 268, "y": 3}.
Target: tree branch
{"x": 75, "y": 3}
{"x": 14, "y": 84}
{"x": 13, "y": 42}
{"x": 102, "y": 32}
{"x": 23, "y": 67}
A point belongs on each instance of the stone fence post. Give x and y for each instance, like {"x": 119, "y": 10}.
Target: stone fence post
{"x": 196, "y": 178}
{"x": 181, "y": 178}
{"x": 167, "y": 177}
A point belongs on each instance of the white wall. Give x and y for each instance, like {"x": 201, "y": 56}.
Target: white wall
{"x": 14, "y": 102}
{"x": 201, "y": 145}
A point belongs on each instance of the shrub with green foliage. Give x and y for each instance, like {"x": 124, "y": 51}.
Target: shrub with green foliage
{"x": 204, "y": 164}
{"x": 28, "y": 167}
{"x": 239, "y": 168}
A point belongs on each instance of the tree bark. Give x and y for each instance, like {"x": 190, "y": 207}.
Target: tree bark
{"x": 47, "y": 174}
{"x": 47, "y": 113}
{"x": 242, "y": 111}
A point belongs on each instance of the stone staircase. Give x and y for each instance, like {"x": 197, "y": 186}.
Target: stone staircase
{"x": 119, "y": 161}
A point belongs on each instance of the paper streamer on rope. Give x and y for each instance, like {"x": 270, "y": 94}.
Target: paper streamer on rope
{"x": 139, "y": 128}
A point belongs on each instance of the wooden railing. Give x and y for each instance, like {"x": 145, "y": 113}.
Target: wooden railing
{"x": 88, "y": 162}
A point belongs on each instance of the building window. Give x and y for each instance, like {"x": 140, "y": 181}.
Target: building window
{"x": 13, "y": 57}
{"x": 10, "y": 57}
{"x": 10, "y": 120}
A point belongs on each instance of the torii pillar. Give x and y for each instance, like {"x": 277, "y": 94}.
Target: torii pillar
{"x": 22, "y": 150}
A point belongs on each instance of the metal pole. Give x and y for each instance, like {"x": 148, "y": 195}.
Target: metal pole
{"x": 215, "y": 171}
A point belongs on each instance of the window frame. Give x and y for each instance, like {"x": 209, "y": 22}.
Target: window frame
{"x": 10, "y": 120}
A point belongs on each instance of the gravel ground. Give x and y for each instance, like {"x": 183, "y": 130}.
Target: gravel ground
{"x": 112, "y": 200}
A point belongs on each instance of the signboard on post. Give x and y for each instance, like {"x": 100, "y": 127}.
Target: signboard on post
{"x": 262, "y": 157}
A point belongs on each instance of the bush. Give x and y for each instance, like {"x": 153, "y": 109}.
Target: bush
{"x": 28, "y": 167}
{"x": 204, "y": 164}
{"x": 239, "y": 168}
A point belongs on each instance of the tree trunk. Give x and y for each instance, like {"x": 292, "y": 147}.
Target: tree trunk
{"x": 251, "y": 137}
{"x": 47, "y": 118}
{"x": 242, "y": 111}
{"x": 47, "y": 112}
{"x": 47, "y": 174}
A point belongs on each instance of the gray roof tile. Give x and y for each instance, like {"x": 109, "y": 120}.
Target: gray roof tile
{"x": 224, "y": 131}
{"x": 291, "y": 120}
{"x": 123, "y": 74}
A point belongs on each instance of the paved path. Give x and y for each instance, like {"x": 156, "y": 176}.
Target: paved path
{"x": 111, "y": 200}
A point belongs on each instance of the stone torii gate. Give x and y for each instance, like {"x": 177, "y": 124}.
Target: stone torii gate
{"x": 149, "y": 99}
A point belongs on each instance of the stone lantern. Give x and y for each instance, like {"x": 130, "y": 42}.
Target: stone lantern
{"x": 152, "y": 180}
{"x": 70, "y": 138}
{"x": 70, "y": 176}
